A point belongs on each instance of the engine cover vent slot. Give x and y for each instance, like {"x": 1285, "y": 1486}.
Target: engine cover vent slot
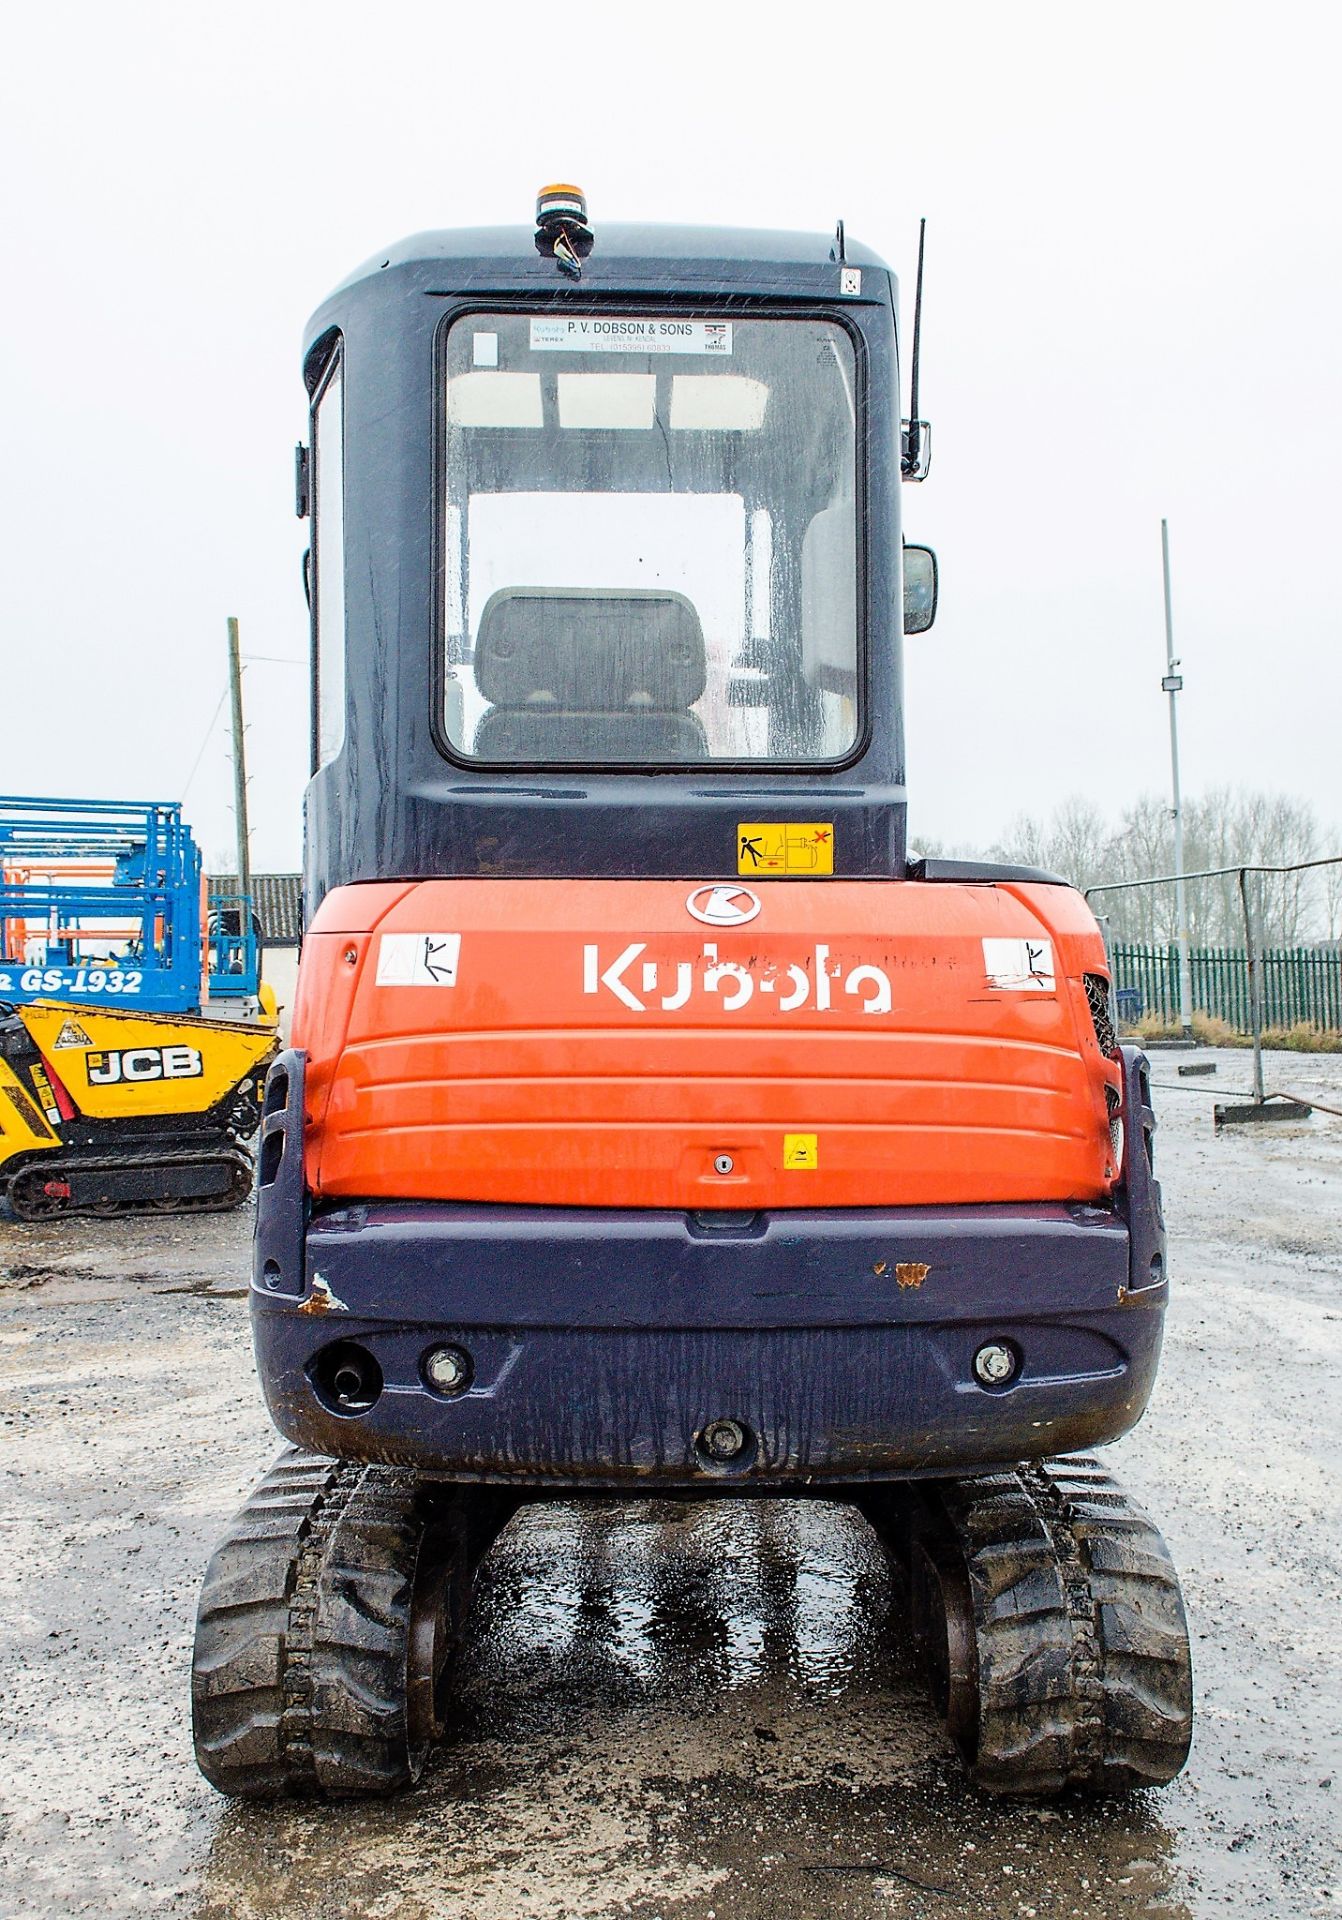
{"x": 1097, "y": 996}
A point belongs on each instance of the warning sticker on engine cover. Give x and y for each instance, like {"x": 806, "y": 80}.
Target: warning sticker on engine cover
{"x": 418, "y": 959}
{"x": 1020, "y": 966}
{"x": 801, "y": 1152}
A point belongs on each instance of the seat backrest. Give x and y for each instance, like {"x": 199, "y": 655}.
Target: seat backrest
{"x": 574, "y": 674}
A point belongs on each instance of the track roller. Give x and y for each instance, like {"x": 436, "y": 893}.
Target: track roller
{"x": 326, "y": 1620}
{"x": 1047, "y": 1615}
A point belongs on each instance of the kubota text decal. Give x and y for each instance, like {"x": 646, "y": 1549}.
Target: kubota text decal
{"x": 667, "y": 985}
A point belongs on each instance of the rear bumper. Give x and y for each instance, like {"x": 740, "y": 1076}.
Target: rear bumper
{"x": 603, "y": 1344}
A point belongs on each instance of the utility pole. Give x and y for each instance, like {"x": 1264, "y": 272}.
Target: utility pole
{"x": 239, "y": 761}
{"x": 1172, "y": 684}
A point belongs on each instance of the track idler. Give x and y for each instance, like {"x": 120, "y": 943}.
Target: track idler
{"x": 1046, "y": 1614}
{"x": 327, "y": 1619}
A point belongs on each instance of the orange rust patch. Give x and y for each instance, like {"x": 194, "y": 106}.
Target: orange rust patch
{"x": 321, "y": 1299}
{"x": 911, "y": 1273}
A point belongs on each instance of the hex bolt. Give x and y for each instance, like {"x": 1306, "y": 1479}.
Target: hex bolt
{"x": 724, "y": 1163}
{"x": 994, "y": 1364}
{"x": 448, "y": 1369}
{"x": 724, "y": 1440}
{"x": 350, "y": 956}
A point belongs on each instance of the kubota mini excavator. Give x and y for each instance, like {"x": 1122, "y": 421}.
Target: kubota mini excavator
{"x": 653, "y": 1123}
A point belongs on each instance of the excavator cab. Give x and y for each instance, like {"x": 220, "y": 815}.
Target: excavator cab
{"x": 652, "y": 1123}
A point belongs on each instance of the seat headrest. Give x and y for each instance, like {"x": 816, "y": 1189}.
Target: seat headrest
{"x": 579, "y": 650}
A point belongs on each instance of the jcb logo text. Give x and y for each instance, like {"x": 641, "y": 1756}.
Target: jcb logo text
{"x": 143, "y": 1063}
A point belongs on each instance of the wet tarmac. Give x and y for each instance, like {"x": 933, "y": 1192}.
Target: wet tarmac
{"x": 701, "y": 1712}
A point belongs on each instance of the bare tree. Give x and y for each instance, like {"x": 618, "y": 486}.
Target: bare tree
{"x": 1224, "y": 828}
{"x": 1075, "y": 842}
{"x": 1331, "y": 889}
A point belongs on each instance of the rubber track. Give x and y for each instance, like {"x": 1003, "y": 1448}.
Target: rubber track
{"x": 1084, "y": 1675}
{"x": 299, "y": 1675}
{"x": 37, "y": 1173}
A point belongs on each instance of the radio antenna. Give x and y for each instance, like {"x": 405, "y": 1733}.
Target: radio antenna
{"x": 914, "y": 465}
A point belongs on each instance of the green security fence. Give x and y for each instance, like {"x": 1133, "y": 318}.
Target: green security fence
{"x": 1301, "y": 985}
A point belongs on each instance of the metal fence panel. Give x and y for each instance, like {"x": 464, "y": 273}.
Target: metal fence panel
{"x": 1302, "y": 986}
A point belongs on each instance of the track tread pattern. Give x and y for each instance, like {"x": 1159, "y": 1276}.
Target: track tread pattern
{"x": 299, "y": 1681}
{"x": 1083, "y": 1669}
{"x": 30, "y": 1202}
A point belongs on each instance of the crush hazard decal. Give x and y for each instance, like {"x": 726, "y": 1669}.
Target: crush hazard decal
{"x": 418, "y": 959}
{"x": 136, "y": 1064}
{"x": 781, "y": 849}
{"x": 1020, "y": 966}
{"x": 648, "y": 984}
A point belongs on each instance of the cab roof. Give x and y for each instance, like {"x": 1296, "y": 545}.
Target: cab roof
{"x": 627, "y": 261}
{"x": 624, "y": 241}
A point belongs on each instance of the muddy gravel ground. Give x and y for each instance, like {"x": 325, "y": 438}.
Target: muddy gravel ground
{"x": 679, "y": 1711}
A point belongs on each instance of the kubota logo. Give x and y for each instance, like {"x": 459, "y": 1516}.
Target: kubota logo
{"x": 723, "y": 906}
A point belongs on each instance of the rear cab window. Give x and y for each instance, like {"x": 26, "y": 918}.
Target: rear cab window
{"x": 649, "y": 538}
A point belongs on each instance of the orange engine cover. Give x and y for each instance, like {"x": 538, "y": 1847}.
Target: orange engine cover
{"x": 637, "y": 1043}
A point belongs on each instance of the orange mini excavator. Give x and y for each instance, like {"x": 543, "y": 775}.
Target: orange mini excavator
{"x": 653, "y": 1123}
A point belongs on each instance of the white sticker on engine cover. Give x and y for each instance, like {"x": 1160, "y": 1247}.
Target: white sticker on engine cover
{"x": 418, "y": 959}
{"x": 1020, "y": 966}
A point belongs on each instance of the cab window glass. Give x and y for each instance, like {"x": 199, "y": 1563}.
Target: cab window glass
{"x": 650, "y": 540}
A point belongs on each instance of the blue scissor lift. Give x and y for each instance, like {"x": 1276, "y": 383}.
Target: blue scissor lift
{"x": 103, "y": 902}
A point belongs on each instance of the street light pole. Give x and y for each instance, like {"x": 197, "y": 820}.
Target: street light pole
{"x": 239, "y": 761}
{"x": 1172, "y": 684}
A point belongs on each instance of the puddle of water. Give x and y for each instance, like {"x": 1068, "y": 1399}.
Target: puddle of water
{"x": 682, "y": 1710}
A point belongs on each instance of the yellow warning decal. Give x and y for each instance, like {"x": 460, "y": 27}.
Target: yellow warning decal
{"x": 801, "y": 1151}
{"x": 785, "y": 849}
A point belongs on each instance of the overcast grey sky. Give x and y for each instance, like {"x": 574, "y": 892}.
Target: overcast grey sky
{"x": 1132, "y": 309}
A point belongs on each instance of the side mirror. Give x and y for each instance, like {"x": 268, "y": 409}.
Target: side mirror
{"x": 920, "y": 589}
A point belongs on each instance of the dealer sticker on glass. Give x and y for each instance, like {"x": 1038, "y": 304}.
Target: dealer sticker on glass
{"x": 610, "y": 333}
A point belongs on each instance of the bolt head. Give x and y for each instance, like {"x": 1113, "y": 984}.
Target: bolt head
{"x": 724, "y": 1440}
{"x": 448, "y": 1369}
{"x": 994, "y": 1364}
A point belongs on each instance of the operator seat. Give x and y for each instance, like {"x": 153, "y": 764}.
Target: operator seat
{"x": 574, "y": 674}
